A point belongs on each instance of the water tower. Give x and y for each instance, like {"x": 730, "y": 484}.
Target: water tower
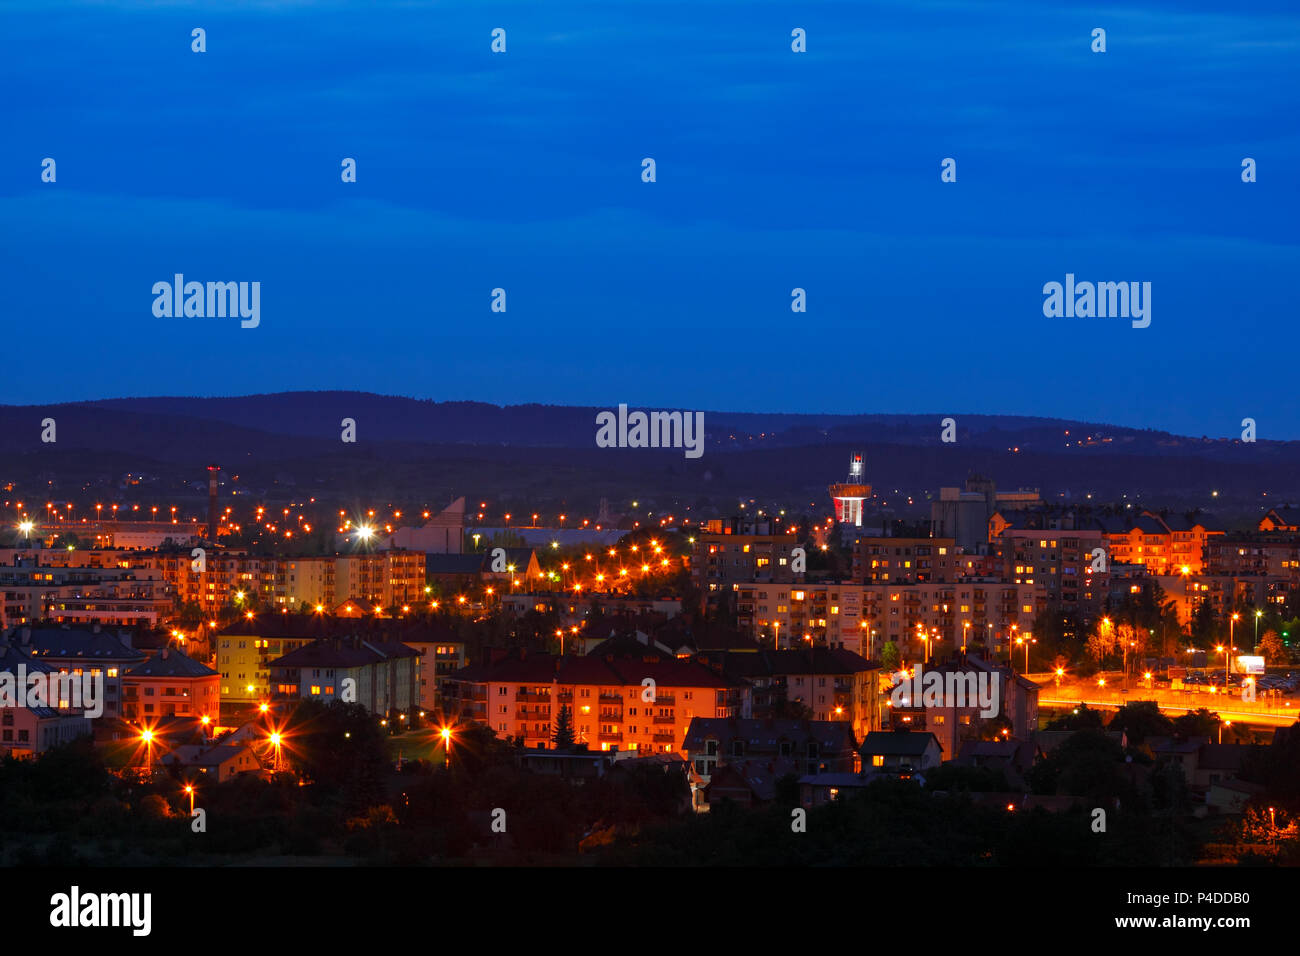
{"x": 849, "y": 495}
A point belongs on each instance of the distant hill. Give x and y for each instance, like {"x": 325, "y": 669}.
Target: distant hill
{"x": 405, "y": 446}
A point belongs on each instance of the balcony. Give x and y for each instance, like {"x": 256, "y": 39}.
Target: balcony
{"x": 523, "y": 713}
{"x": 663, "y": 738}
{"x": 665, "y": 720}
{"x": 532, "y": 698}
{"x": 605, "y": 695}
{"x": 610, "y": 738}
{"x": 665, "y": 700}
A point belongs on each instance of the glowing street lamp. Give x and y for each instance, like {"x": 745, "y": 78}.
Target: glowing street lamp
{"x": 146, "y": 737}
{"x": 445, "y": 734}
{"x": 275, "y": 740}
{"x": 189, "y": 788}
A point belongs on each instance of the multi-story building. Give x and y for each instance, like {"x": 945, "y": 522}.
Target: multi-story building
{"x": 905, "y": 560}
{"x": 735, "y": 551}
{"x": 28, "y": 731}
{"x": 93, "y": 651}
{"x": 791, "y": 615}
{"x": 246, "y": 648}
{"x": 382, "y": 578}
{"x": 170, "y": 684}
{"x": 628, "y": 702}
{"x": 963, "y": 514}
{"x": 1070, "y": 565}
{"x": 1286, "y": 518}
{"x": 382, "y": 676}
{"x": 834, "y": 683}
{"x": 1016, "y": 703}
{"x": 439, "y": 658}
{"x": 816, "y": 746}
{"x": 31, "y": 592}
{"x": 863, "y": 618}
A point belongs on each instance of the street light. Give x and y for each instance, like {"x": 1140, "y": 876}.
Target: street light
{"x": 1026, "y": 640}
{"x": 189, "y": 788}
{"x": 146, "y": 737}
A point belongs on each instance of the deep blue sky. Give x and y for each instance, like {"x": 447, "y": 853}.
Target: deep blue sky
{"x": 775, "y": 169}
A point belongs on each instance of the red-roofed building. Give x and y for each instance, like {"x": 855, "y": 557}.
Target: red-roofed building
{"x": 629, "y": 702}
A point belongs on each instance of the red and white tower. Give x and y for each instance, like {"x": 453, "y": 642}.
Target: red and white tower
{"x": 849, "y": 495}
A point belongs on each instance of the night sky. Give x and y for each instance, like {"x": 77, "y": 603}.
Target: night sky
{"x": 775, "y": 170}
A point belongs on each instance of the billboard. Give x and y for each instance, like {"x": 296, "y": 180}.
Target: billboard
{"x": 1250, "y": 665}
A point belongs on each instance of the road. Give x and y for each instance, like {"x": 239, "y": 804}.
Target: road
{"x": 1266, "y": 711}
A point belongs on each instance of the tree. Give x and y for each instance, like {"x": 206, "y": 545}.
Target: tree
{"x": 563, "y": 737}
{"x": 1197, "y": 723}
{"x": 889, "y": 656}
{"x": 1081, "y": 718}
{"x": 1271, "y": 648}
{"x": 785, "y": 709}
{"x": 1141, "y": 719}
{"x": 1103, "y": 641}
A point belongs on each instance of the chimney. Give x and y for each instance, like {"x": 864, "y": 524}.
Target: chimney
{"x": 213, "y": 470}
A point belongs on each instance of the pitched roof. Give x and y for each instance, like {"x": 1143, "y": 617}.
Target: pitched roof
{"x": 827, "y": 661}
{"x": 171, "y": 663}
{"x": 608, "y": 670}
{"x": 832, "y": 735}
{"x": 759, "y": 776}
{"x": 68, "y": 642}
{"x": 343, "y": 654}
{"x": 12, "y": 657}
{"x": 901, "y": 743}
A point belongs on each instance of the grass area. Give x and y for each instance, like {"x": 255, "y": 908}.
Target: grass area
{"x": 129, "y": 752}
{"x": 423, "y": 744}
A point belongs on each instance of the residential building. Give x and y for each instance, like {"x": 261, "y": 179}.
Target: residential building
{"x": 170, "y": 684}
{"x": 83, "y": 650}
{"x": 904, "y": 752}
{"x": 382, "y": 676}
